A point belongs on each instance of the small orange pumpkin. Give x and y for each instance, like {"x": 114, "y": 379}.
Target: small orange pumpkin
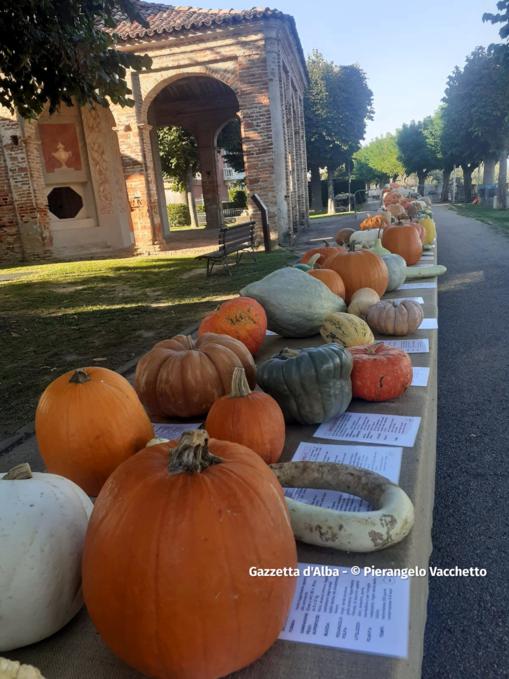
{"x": 331, "y": 279}
{"x": 167, "y": 557}
{"x": 403, "y": 240}
{"x": 324, "y": 252}
{"x": 181, "y": 377}
{"x": 87, "y": 422}
{"x": 360, "y": 269}
{"x": 378, "y": 221}
{"x": 251, "y": 418}
{"x": 242, "y": 318}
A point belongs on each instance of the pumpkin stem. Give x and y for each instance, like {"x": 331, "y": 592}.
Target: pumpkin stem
{"x": 19, "y": 472}
{"x": 240, "y": 385}
{"x": 192, "y": 453}
{"x": 288, "y": 353}
{"x": 189, "y": 341}
{"x": 79, "y": 376}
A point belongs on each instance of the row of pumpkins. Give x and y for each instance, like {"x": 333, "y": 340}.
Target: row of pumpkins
{"x": 177, "y": 525}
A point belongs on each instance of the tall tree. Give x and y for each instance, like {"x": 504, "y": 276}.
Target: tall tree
{"x": 179, "y": 161}
{"x": 500, "y": 53}
{"x": 64, "y": 50}
{"x": 381, "y": 157}
{"x": 417, "y": 151}
{"x": 338, "y": 103}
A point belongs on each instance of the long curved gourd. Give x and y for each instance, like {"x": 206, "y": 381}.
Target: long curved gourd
{"x": 432, "y": 271}
{"x": 389, "y": 523}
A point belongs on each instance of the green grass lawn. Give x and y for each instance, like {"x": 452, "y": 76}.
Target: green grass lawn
{"x": 323, "y": 215}
{"x": 484, "y": 214}
{"x": 55, "y": 317}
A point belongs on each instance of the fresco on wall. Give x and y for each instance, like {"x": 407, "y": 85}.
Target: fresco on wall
{"x": 60, "y": 146}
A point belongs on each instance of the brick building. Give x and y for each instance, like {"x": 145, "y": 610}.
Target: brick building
{"x": 88, "y": 180}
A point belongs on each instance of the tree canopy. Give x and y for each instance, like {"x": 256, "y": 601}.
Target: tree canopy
{"x": 337, "y": 104}
{"x": 417, "y": 148}
{"x": 179, "y": 154}
{"x": 58, "y": 50}
{"x": 378, "y": 160}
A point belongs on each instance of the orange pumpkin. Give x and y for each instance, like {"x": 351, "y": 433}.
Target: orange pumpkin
{"x": 251, "y": 418}
{"x": 331, "y": 279}
{"x": 403, "y": 240}
{"x": 361, "y": 269}
{"x": 380, "y": 372}
{"x": 242, "y": 318}
{"x": 324, "y": 252}
{"x": 180, "y": 377}
{"x": 420, "y": 229}
{"x": 391, "y": 198}
{"x": 166, "y": 562}
{"x": 87, "y": 422}
{"x": 379, "y": 221}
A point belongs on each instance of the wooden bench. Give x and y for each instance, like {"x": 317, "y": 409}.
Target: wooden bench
{"x": 232, "y": 240}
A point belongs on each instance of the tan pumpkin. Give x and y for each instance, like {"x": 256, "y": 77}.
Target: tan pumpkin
{"x": 403, "y": 240}
{"x": 362, "y": 300}
{"x": 182, "y": 377}
{"x": 390, "y": 317}
{"x": 343, "y": 235}
{"x": 346, "y": 329}
{"x": 397, "y": 211}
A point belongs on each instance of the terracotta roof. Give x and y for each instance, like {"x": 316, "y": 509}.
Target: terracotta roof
{"x": 163, "y": 19}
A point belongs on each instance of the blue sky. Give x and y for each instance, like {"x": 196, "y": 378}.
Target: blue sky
{"x": 406, "y": 47}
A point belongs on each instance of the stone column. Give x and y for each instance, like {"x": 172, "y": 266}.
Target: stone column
{"x": 207, "y": 152}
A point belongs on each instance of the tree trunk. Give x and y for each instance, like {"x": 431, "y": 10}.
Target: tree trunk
{"x": 190, "y": 197}
{"x": 444, "y": 198}
{"x": 331, "y": 205}
{"x": 421, "y": 177}
{"x": 467, "y": 183}
{"x": 316, "y": 189}
{"x": 488, "y": 177}
{"x": 502, "y": 181}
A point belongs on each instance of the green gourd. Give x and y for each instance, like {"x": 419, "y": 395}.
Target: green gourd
{"x": 414, "y": 272}
{"x": 397, "y": 268}
{"x": 295, "y": 303}
{"x": 311, "y": 385}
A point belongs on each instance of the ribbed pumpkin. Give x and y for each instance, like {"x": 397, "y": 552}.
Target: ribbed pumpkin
{"x": 251, "y": 418}
{"x": 311, "y": 385}
{"x": 361, "y": 269}
{"x": 331, "y": 279}
{"x": 391, "y": 317}
{"x": 87, "y": 422}
{"x": 181, "y": 377}
{"x": 380, "y": 372}
{"x": 403, "y": 240}
{"x": 347, "y": 329}
{"x": 167, "y": 556}
{"x": 324, "y": 252}
{"x": 378, "y": 221}
{"x": 242, "y": 318}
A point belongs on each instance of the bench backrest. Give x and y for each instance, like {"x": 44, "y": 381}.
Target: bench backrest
{"x": 232, "y": 238}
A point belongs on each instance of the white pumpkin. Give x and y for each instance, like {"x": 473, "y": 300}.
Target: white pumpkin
{"x": 43, "y": 521}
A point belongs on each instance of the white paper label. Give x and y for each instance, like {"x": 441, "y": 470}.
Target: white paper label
{"x": 429, "y": 324}
{"x": 420, "y": 377}
{"x": 411, "y": 346}
{"x": 173, "y": 431}
{"x": 383, "y": 460}
{"x": 418, "y": 285}
{"x": 390, "y": 430}
{"x": 364, "y": 613}
{"x": 419, "y": 300}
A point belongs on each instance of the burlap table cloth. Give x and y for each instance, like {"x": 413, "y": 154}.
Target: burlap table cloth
{"x": 77, "y": 651}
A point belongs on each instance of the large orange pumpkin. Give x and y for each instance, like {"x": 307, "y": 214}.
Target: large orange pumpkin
{"x": 242, "y": 318}
{"x": 324, "y": 252}
{"x": 87, "y": 422}
{"x": 403, "y": 240}
{"x": 331, "y": 279}
{"x": 251, "y": 418}
{"x": 361, "y": 269}
{"x": 168, "y": 552}
{"x": 181, "y": 377}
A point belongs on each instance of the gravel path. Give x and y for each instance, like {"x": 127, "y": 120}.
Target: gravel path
{"x": 468, "y": 618}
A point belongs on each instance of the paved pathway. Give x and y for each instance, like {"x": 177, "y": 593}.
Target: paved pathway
{"x": 468, "y": 618}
